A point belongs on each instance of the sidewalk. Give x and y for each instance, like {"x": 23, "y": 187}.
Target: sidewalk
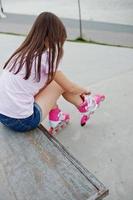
{"x": 104, "y": 146}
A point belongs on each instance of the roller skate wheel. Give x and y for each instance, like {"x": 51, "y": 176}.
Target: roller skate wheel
{"x": 51, "y": 131}
{"x": 102, "y": 98}
{"x": 84, "y": 119}
{"x": 83, "y": 124}
{"x": 67, "y": 121}
{"x": 56, "y": 131}
{"x": 63, "y": 126}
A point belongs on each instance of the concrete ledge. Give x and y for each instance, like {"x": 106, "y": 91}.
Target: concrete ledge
{"x": 108, "y": 33}
{"x": 36, "y": 166}
{"x": 100, "y": 32}
{"x": 21, "y": 24}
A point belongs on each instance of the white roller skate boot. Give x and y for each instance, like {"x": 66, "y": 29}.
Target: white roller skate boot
{"x": 88, "y": 107}
{"x": 57, "y": 120}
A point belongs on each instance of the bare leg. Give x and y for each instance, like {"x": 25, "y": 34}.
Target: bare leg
{"x": 48, "y": 97}
{"x": 72, "y": 98}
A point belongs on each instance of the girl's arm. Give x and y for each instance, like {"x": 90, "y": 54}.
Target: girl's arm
{"x": 68, "y": 85}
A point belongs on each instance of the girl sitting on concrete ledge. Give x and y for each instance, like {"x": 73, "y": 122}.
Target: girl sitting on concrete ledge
{"x": 32, "y": 81}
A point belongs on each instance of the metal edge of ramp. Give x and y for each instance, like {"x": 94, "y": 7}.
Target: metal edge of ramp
{"x": 102, "y": 190}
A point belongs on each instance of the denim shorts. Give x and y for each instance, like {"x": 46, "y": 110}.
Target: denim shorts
{"x": 26, "y": 124}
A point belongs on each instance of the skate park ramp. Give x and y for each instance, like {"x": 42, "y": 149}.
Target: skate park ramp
{"x": 106, "y": 141}
{"x": 104, "y": 146}
{"x": 36, "y": 166}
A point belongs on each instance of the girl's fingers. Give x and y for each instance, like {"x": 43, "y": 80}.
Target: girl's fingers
{"x": 86, "y": 93}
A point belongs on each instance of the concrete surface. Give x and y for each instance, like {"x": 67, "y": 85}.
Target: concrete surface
{"x": 107, "y": 22}
{"x": 35, "y": 166}
{"x": 101, "y": 32}
{"x": 112, "y": 11}
{"x": 104, "y": 146}
{"x": 21, "y": 24}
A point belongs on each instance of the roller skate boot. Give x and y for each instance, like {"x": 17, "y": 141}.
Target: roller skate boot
{"x": 88, "y": 107}
{"x": 57, "y": 120}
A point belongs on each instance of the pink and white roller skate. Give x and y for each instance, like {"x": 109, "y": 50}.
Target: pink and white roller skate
{"x": 88, "y": 107}
{"x": 57, "y": 120}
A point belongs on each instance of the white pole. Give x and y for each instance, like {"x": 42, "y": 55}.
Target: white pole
{"x": 80, "y": 20}
{"x": 2, "y": 15}
{"x": 1, "y": 8}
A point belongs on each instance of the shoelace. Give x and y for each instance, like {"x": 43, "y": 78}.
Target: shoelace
{"x": 92, "y": 105}
{"x": 61, "y": 116}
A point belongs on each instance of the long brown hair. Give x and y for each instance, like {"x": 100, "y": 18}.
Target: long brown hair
{"x": 46, "y": 28}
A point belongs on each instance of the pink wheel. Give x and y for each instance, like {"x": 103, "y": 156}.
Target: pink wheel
{"x": 56, "y": 130}
{"x": 102, "y": 98}
{"x": 63, "y": 126}
{"x": 51, "y": 131}
{"x": 84, "y": 119}
{"x": 67, "y": 120}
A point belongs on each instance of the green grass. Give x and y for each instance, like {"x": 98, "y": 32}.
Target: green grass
{"x": 78, "y": 40}
{"x": 15, "y": 34}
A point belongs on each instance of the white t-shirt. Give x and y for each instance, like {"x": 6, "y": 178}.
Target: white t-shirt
{"x": 17, "y": 94}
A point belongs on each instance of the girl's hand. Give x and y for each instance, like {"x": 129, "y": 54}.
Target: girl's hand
{"x": 85, "y": 92}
